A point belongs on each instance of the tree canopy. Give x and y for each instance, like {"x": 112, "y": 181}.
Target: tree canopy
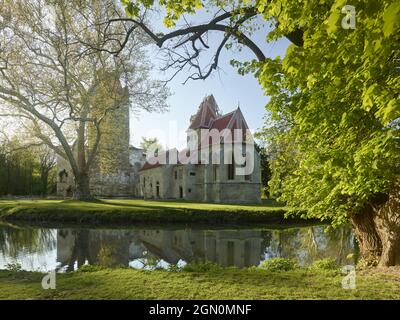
{"x": 150, "y": 145}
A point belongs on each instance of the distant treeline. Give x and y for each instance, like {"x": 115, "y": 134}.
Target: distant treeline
{"x": 27, "y": 171}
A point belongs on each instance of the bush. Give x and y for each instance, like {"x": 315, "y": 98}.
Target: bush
{"x": 174, "y": 268}
{"x": 325, "y": 264}
{"x": 15, "y": 267}
{"x": 201, "y": 267}
{"x": 279, "y": 264}
{"x": 91, "y": 268}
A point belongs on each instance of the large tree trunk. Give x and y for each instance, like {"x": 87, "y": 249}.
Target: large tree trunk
{"x": 377, "y": 228}
{"x": 369, "y": 241}
{"x": 82, "y": 185}
{"x": 387, "y": 222}
{"x": 82, "y": 188}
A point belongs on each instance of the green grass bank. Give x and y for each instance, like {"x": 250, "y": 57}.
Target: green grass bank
{"x": 224, "y": 283}
{"x": 140, "y": 211}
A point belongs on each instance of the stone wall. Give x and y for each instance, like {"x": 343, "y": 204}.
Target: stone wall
{"x": 202, "y": 182}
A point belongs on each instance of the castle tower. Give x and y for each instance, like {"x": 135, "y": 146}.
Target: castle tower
{"x": 206, "y": 114}
{"x": 111, "y": 171}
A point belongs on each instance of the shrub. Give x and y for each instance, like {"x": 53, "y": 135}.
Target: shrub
{"x": 279, "y": 264}
{"x": 91, "y": 268}
{"x": 325, "y": 264}
{"x": 205, "y": 266}
{"x": 174, "y": 268}
{"x": 15, "y": 267}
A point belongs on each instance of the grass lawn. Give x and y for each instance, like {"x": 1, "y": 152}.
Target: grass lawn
{"x": 226, "y": 283}
{"x": 134, "y": 211}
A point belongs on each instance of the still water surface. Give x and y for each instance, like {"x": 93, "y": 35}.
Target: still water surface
{"x": 66, "y": 249}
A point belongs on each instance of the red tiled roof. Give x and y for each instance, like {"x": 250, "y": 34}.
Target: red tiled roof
{"x": 221, "y": 123}
{"x": 207, "y": 118}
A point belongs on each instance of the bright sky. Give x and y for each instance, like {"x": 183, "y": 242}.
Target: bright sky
{"x": 228, "y": 87}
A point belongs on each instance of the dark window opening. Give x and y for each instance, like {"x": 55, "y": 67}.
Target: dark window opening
{"x": 247, "y": 177}
{"x": 231, "y": 169}
{"x": 193, "y": 174}
{"x": 180, "y": 192}
{"x": 189, "y": 190}
{"x": 215, "y": 172}
{"x": 231, "y": 253}
{"x": 63, "y": 175}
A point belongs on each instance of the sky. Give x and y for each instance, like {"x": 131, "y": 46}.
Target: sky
{"x": 228, "y": 87}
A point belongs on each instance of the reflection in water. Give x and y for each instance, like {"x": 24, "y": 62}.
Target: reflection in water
{"x": 68, "y": 249}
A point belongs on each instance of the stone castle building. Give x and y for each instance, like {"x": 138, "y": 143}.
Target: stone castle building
{"x": 207, "y": 181}
{"x": 121, "y": 170}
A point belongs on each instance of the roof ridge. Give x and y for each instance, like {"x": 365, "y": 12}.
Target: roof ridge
{"x": 225, "y": 115}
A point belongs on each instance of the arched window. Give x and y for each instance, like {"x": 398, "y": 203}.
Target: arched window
{"x": 63, "y": 175}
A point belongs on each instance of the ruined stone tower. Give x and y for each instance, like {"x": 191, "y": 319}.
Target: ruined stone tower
{"x": 111, "y": 172}
{"x": 115, "y": 170}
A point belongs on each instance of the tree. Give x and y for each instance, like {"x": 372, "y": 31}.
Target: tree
{"x": 47, "y": 162}
{"x": 25, "y": 169}
{"x": 148, "y": 144}
{"x": 334, "y": 104}
{"x": 55, "y": 87}
{"x": 265, "y": 169}
{"x": 336, "y": 110}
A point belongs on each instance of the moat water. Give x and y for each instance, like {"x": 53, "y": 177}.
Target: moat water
{"x": 66, "y": 249}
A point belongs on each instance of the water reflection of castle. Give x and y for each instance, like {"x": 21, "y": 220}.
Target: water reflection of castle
{"x": 119, "y": 247}
{"x": 240, "y": 248}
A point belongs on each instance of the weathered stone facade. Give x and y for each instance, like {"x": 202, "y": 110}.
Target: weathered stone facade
{"x": 204, "y": 182}
{"x": 118, "y": 183}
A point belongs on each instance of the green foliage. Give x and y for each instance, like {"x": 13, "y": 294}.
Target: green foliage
{"x": 150, "y": 144}
{"x": 325, "y": 264}
{"x": 335, "y": 108}
{"x": 174, "y": 8}
{"x": 91, "y": 268}
{"x": 279, "y": 264}
{"x": 15, "y": 267}
{"x": 265, "y": 170}
{"x": 22, "y": 171}
{"x": 200, "y": 266}
{"x": 174, "y": 268}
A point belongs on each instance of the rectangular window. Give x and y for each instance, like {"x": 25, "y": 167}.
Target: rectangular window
{"x": 231, "y": 169}
{"x": 247, "y": 177}
{"x": 231, "y": 253}
{"x": 176, "y": 175}
{"x": 193, "y": 174}
{"x": 215, "y": 172}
